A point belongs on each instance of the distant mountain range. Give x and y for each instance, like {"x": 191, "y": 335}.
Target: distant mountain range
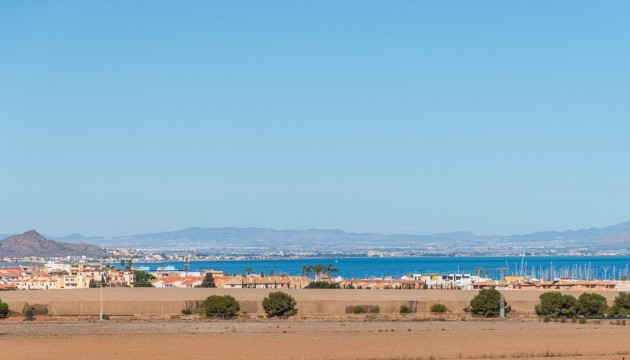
{"x": 31, "y": 243}
{"x": 611, "y": 237}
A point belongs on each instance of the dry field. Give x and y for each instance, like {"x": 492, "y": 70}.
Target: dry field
{"x": 292, "y": 339}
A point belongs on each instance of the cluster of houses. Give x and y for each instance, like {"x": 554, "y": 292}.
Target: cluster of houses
{"x": 528, "y": 283}
{"x": 168, "y": 277}
{"x": 63, "y": 276}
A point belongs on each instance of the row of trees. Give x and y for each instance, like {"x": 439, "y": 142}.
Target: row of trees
{"x": 554, "y": 304}
{"x": 277, "y": 304}
{"x": 557, "y": 305}
{"x": 320, "y": 269}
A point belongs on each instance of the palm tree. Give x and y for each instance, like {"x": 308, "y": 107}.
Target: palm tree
{"x": 122, "y": 264}
{"x": 249, "y": 270}
{"x": 129, "y": 263}
{"x": 307, "y": 270}
{"x": 318, "y": 271}
{"x": 332, "y": 270}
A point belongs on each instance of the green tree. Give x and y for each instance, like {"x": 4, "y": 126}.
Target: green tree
{"x": 208, "y": 281}
{"x": 29, "y": 314}
{"x": 142, "y": 279}
{"x": 591, "y": 304}
{"x": 217, "y": 306}
{"x": 621, "y": 305}
{"x": 249, "y": 270}
{"x": 279, "y": 304}
{"x": 487, "y": 303}
{"x": 555, "y": 305}
{"x": 4, "y": 310}
{"x": 92, "y": 283}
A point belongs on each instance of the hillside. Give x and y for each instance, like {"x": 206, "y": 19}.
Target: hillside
{"x": 609, "y": 237}
{"x": 31, "y": 243}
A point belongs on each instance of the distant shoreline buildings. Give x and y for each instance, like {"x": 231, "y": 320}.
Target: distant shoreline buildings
{"x": 57, "y": 276}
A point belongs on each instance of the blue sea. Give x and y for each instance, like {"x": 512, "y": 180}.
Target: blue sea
{"x": 583, "y": 267}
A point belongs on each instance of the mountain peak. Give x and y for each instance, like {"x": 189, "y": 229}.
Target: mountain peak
{"x": 32, "y": 233}
{"x": 32, "y": 243}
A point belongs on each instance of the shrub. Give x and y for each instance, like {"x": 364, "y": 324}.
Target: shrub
{"x": 186, "y": 312}
{"x": 621, "y": 305}
{"x": 438, "y": 308}
{"x": 105, "y": 317}
{"x": 555, "y": 305}
{"x": 279, "y": 304}
{"x": 547, "y": 319}
{"x": 4, "y": 310}
{"x": 322, "y": 285}
{"x": 591, "y": 304}
{"x": 29, "y": 314}
{"x": 216, "y": 306}
{"x": 404, "y": 309}
{"x": 487, "y": 303}
{"x": 363, "y": 309}
{"x": 582, "y": 320}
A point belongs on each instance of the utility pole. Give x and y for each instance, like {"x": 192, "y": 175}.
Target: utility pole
{"x": 502, "y": 306}
{"x": 101, "y": 306}
{"x": 100, "y": 314}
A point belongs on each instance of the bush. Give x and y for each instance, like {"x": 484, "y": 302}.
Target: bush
{"x": 105, "y": 317}
{"x": 621, "y": 305}
{"x": 591, "y": 304}
{"x": 322, "y": 285}
{"x": 582, "y": 320}
{"x": 4, "y": 310}
{"x": 29, "y": 314}
{"x": 555, "y": 305}
{"x": 279, "y": 304}
{"x": 438, "y": 308}
{"x": 363, "y": 309}
{"x": 216, "y": 306}
{"x": 487, "y": 303}
{"x": 186, "y": 312}
{"x": 404, "y": 309}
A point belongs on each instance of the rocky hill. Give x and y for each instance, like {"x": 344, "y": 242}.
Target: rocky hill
{"x": 31, "y": 243}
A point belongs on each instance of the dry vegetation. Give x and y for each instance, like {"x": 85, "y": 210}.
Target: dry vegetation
{"x": 298, "y": 339}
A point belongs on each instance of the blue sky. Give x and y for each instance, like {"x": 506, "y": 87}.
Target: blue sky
{"x": 495, "y": 117}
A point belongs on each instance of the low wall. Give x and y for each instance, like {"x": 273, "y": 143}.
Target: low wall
{"x": 164, "y": 302}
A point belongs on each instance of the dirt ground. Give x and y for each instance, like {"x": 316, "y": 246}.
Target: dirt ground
{"x": 292, "y": 339}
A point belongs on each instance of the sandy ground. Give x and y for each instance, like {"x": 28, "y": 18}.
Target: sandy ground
{"x": 290, "y": 339}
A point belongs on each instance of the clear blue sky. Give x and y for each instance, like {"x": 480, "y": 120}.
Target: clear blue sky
{"x": 121, "y": 117}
